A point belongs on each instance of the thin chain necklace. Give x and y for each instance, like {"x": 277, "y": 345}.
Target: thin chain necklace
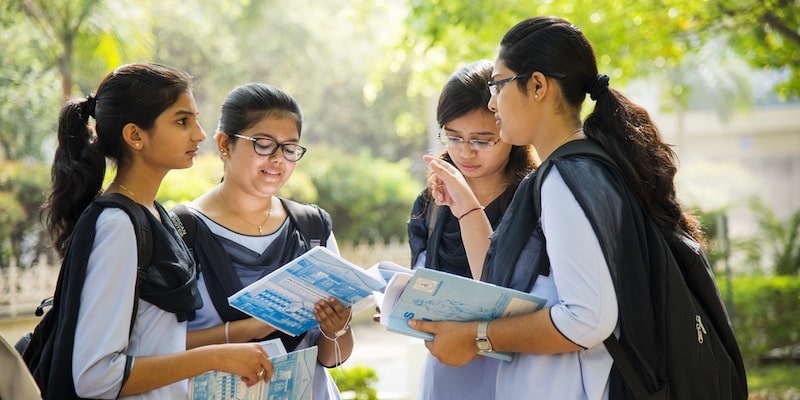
{"x": 119, "y": 185}
{"x": 568, "y": 136}
{"x": 269, "y": 213}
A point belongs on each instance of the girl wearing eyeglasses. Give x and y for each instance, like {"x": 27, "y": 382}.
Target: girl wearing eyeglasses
{"x": 492, "y": 169}
{"x": 243, "y": 230}
{"x": 593, "y": 220}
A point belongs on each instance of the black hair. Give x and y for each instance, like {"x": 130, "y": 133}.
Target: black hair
{"x": 560, "y": 51}
{"x": 133, "y": 93}
{"x": 248, "y": 104}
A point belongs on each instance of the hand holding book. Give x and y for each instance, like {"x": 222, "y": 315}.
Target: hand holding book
{"x": 287, "y": 297}
{"x": 432, "y": 295}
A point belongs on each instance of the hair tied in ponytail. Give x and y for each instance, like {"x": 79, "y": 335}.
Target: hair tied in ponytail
{"x": 597, "y": 86}
{"x": 88, "y": 107}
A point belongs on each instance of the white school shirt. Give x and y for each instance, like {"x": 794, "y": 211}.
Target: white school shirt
{"x": 101, "y": 335}
{"x": 324, "y": 387}
{"x": 584, "y": 308}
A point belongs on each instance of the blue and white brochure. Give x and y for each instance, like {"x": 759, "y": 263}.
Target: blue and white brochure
{"x": 438, "y": 296}
{"x": 286, "y": 297}
{"x": 292, "y": 378}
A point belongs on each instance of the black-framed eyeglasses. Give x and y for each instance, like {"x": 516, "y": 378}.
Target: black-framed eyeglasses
{"x": 267, "y": 146}
{"x": 474, "y": 144}
{"x": 495, "y": 86}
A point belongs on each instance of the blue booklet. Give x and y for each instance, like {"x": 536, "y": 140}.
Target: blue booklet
{"x": 438, "y": 296}
{"x": 292, "y": 378}
{"x": 286, "y": 297}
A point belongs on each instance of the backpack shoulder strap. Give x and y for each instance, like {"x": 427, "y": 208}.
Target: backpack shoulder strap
{"x": 587, "y": 147}
{"x": 584, "y": 147}
{"x": 313, "y": 223}
{"x": 185, "y": 224}
{"x": 623, "y": 364}
{"x": 144, "y": 237}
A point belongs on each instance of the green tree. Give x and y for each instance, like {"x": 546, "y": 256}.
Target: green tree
{"x": 51, "y": 50}
{"x": 28, "y": 90}
{"x": 91, "y": 32}
{"x": 325, "y": 57}
{"x": 764, "y": 33}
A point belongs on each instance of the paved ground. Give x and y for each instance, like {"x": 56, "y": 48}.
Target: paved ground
{"x": 396, "y": 358}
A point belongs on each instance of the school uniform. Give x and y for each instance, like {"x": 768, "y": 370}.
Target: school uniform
{"x": 239, "y": 260}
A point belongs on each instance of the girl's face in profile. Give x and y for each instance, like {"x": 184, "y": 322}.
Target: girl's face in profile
{"x": 176, "y": 135}
{"x": 512, "y": 108}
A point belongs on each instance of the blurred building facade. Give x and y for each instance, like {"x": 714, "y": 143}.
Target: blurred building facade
{"x": 727, "y": 162}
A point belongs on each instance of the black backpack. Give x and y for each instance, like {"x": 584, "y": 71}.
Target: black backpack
{"x": 702, "y": 359}
{"x": 37, "y": 347}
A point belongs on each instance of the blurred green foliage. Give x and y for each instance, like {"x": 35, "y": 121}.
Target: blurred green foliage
{"x": 762, "y": 33}
{"x": 773, "y": 382}
{"x": 778, "y": 241}
{"x": 359, "y": 380}
{"x": 22, "y": 192}
{"x": 367, "y": 204}
{"x": 765, "y": 313}
{"x": 368, "y": 198}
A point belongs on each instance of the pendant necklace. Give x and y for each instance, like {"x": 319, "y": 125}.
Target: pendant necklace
{"x": 260, "y": 230}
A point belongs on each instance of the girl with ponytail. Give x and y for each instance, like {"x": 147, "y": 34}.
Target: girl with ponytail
{"x": 584, "y": 241}
{"x": 106, "y": 346}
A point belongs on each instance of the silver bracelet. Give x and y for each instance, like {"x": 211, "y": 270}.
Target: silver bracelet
{"x": 227, "y": 326}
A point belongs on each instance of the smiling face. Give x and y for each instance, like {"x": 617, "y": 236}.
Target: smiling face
{"x": 260, "y": 175}
{"x": 488, "y": 162}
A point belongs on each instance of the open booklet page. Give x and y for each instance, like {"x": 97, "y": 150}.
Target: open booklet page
{"x": 286, "y": 297}
{"x": 292, "y": 378}
{"x": 438, "y": 296}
